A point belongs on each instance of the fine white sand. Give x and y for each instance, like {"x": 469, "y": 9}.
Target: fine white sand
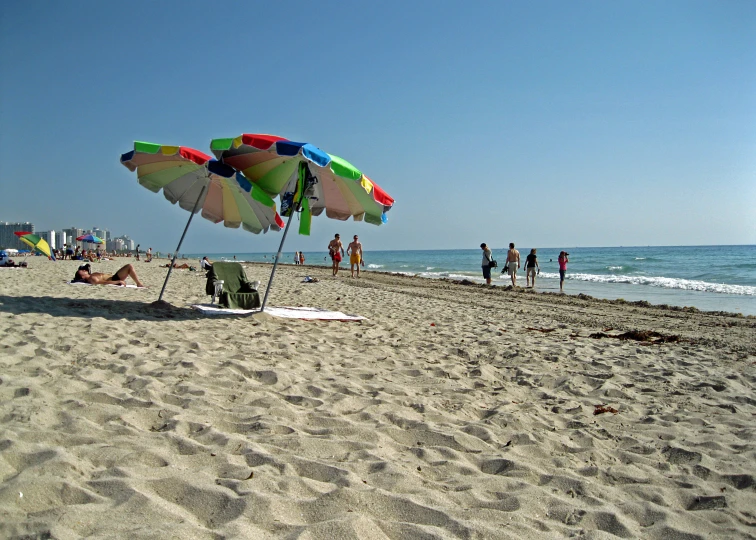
{"x": 454, "y": 411}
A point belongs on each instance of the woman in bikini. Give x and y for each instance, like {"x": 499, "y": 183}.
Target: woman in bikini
{"x": 84, "y": 274}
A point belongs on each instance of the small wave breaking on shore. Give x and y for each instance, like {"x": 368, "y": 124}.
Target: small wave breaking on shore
{"x": 665, "y": 282}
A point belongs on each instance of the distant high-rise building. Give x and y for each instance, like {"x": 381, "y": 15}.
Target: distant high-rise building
{"x": 72, "y": 234}
{"x": 101, "y": 233}
{"x": 10, "y": 240}
{"x": 116, "y": 244}
{"x": 128, "y": 243}
{"x": 60, "y": 239}
{"x": 49, "y": 237}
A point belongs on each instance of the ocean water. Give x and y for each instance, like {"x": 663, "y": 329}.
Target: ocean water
{"x": 710, "y": 278}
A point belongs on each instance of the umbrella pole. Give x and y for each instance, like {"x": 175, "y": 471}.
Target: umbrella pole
{"x": 170, "y": 268}
{"x": 278, "y": 256}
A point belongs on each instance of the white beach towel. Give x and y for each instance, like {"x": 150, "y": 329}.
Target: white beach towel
{"x": 283, "y": 312}
{"x": 90, "y": 285}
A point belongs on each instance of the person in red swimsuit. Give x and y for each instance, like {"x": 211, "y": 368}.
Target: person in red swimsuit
{"x": 563, "y": 260}
{"x": 336, "y": 251}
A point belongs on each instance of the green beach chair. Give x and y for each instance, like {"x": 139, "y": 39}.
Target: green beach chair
{"x": 237, "y": 292}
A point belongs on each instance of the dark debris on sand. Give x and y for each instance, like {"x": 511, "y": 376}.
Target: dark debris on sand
{"x": 646, "y": 336}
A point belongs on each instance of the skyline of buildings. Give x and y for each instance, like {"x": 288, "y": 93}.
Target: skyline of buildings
{"x": 57, "y": 239}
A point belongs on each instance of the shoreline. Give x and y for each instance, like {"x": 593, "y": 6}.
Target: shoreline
{"x": 521, "y": 290}
{"x": 673, "y": 276}
{"x": 689, "y": 294}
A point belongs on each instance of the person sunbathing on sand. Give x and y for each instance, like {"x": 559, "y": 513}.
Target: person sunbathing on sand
{"x": 6, "y": 262}
{"x": 84, "y": 274}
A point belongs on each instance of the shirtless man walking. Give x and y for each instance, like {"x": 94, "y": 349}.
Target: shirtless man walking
{"x": 355, "y": 257}
{"x": 513, "y": 256}
{"x": 336, "y": 251}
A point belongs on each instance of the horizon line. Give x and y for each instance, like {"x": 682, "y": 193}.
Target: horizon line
{"x": 475, "y": 249}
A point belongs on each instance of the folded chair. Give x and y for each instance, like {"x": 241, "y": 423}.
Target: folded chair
{"x": 228, "y": 281}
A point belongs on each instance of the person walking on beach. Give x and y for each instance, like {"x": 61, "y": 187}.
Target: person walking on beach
{"x": 301, "y": 257}
{"x": 563, "y": 260}
{"x": 531, "y": 263}
{"x": 485, "y": 264}
{"x": 513, "y": 263}
{"x": 355, "y": 257}
{"x": 296, "y": 257}
{"x": 137, "y": 252}
{"x": 336, "y": 251}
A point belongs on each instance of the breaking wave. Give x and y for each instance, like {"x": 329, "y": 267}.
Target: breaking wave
{"x": 665, "y": 282}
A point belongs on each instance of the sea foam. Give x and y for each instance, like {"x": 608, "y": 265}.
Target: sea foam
{"x": 667, "y": 283}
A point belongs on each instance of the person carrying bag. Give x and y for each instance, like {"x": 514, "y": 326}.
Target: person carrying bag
{"x": 487, "y": 263}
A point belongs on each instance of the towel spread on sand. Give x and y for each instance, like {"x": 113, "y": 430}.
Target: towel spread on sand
{"x": 283, "y": 312}
{"x": 89, "y": 284}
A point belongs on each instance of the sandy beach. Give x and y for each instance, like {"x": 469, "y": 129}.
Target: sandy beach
{"x": 453, "y": 411}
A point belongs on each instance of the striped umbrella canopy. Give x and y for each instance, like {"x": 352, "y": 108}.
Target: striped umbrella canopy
{"x": 187, "y": 176}
{"x": 90, "y": 238}
{"x": 335, "y": 186}
{"x": 36, "y": 243}
{"x": 198, "y": 183}
{"x": 306, "y": 179}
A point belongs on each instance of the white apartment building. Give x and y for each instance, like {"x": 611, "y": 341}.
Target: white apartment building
{"x": 10, "y": 240}
{"x": 60, "y": 239}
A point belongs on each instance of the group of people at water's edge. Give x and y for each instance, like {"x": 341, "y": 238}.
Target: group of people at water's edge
{"x": 532, "y": 269}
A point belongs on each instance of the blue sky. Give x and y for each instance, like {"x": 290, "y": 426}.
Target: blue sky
{"x": 550, "y": 124}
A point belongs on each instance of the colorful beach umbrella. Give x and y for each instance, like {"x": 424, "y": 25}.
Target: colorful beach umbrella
{"x": 339, "y": 188}
{"x": 198, "y": 183}
{"x": 36, "y": 243}
{"x": 90, "y": 238}
{"x": 307, "y": 180}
